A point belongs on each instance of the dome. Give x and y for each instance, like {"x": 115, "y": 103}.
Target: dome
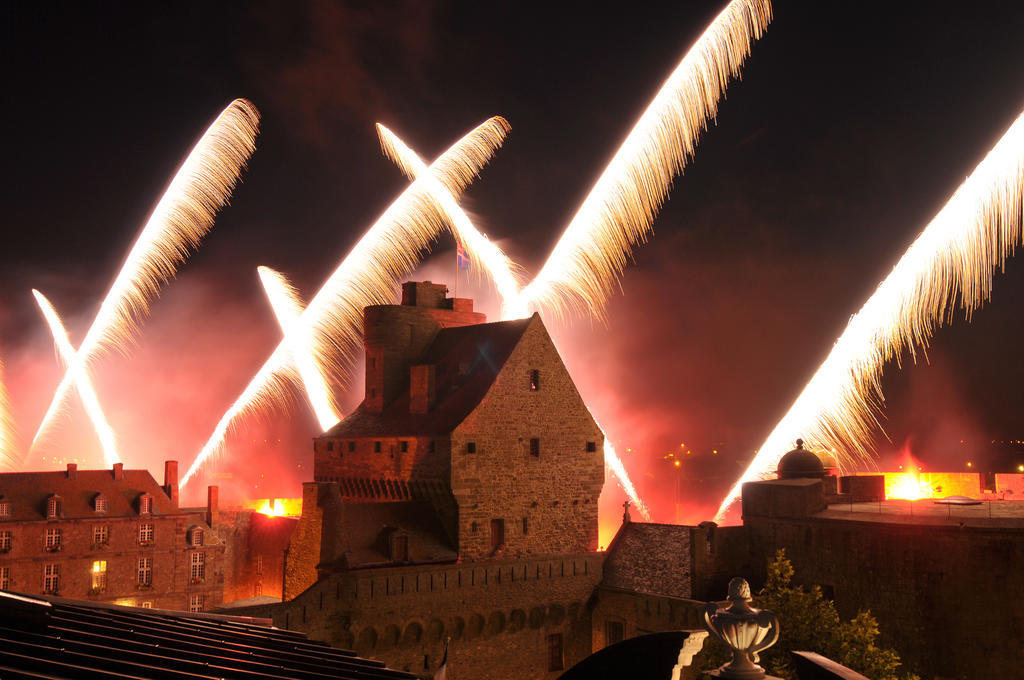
{"x": 800, "y": 463}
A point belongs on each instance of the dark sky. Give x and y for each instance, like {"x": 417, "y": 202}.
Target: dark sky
{"x": 850, "y": 128}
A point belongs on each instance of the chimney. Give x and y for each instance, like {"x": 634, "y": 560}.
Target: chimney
{"x": 211, "y": 505}
{"x": 118, "y": 471}
{"x": 422, "y": 388}
{"x": 171, "y": 480}
{"x": 72, "y": 470}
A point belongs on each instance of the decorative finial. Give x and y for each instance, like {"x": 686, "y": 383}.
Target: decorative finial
{"x": 625, "y": 512}
{"x": 745, "y": 630}
{"x": 799, "y": 443}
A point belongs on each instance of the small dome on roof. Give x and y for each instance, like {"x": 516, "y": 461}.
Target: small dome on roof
{"x": 800, "y": 463}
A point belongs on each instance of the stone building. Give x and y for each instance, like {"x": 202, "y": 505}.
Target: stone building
{"x": 111, "y": 536}
{"x": 458, "y": 500}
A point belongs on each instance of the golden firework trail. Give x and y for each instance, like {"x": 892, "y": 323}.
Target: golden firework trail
{"x": 501, "y": 269}
{"x": 199, "y": 189}
{"x": 583, "y": 269}
{"x": 8, "y": 458}
{"x": 368, "y": 275}
{"x": 287, "y": 306}
{"x": 951, "y": 264}
{"x": 80, "y": 379}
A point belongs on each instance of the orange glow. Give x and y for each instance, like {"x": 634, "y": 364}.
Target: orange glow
{"x": 275, "y": 507}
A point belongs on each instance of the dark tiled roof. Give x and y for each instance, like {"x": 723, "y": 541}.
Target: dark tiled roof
{"x": 468, "y": 358}
{"x": 28, "y": 491}
{"x": 47, "y": 637}
{"x": 366, "y": 527}
{"x": 650, "y": 558}
{"x": 645, "y": 657}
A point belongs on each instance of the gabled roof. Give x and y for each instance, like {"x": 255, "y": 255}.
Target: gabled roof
{"x": 28, "y": 491}
{"x": 468, "y": 358}
{"x": 48, "y": 637}
{"x": 650, "y": 558}
{"x": 367, "y": 528}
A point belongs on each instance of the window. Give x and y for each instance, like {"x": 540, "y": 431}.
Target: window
{"x": 53, "y": 539}
{"x": 526, "y": 526}
{"x": 614, "y": 631}
{"x": 259, "y": 565}
{"x": 591, "y": 447}
{"x": 351, "y": 447}
{"x": 534, "y": 380}
{"x": 497, "y": 532}
{"x": 195, "y": 603}
{"x": 373, "y": 362}
{"x": 5, "y": 541}
{"x": 99, "y": 576}
{"x": 535, "y": 447}
{"x": 330, "y": 446}
{"x": 5, "y": 578}
{"x": 403, "y": 447}
{"x": 198, "y": 562}
{"x": 51, "y": 578}
{"x": 147, "y": 604}
{"x": 5, "y": 508}
{"x": 100, "y": 535}
{"x": 145, "y": 572}
{"x": 100, "y": 504}
{"x": 146, "y": 533}
{"x": 555, "y": 661}
{"x": 430, "y": 447}
{"x": 53, "y": 507}
{"x": 400, "y": 548}
{"x": 195, "y": 537}
{"x": 145, "y": 504}
{"x": 471, "y": 447}
{"x": 376, "y": 447}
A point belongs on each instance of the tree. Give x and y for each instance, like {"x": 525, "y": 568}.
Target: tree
{"x": 809, "y": 621}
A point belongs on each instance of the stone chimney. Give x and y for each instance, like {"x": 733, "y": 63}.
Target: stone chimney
{"x": 422, "y": 388}
{"x": 72, "y": 470}
{"x": 211, "y": 505}
{"x": 118, "y": 471}
{"x": 171, "y": 480}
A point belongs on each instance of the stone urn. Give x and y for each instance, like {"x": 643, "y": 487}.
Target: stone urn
{"x": 745, "y": 630}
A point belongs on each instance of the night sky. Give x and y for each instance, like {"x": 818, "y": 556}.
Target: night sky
{"x": 848, "y": 132}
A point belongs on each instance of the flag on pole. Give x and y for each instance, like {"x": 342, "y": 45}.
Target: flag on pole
{"x": 461, "y": 260}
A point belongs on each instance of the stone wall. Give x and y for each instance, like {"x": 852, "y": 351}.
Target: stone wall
{"x": 500, "y": 614}
{"x": 545, "y": 494}
{"x": 254, "y": 556}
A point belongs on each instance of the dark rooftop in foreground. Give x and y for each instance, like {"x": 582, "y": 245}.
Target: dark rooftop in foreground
{"x": 49, "y": 637}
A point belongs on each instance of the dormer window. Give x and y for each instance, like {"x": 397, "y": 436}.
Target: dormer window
{"x": 195, "y": 537}
{"x": 5, "y": 508}
{"x": 145, "y": 504}
{"x": 399, "y": 547}
{"x": 100, "y": 503}
{"x": 54, "y": 507}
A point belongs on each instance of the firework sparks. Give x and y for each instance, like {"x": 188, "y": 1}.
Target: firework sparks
{"x": 80, "y": 379}
{"x": 952, "y": 262}
{"x": 368, "y": 275}
{"x": 8, "y": 458}
{"x": 583, "y": 270}
{"x": 287, "y": 306}
{"x": 199, "y": 189}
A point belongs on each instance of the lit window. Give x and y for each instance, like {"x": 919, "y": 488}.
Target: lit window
{"x": 534, "y": 380}
{"x": 198, "y": 562}
{"x": 53, "y": 507}
{"x": 195, "y": 537}
{"x": 5, "y": 541}
{"x": 51, "y": 578}
{"x": 146, "y": 533}
{"x": 195, "y": 603}
{"x": 145, "y": 504}
{"x": 5, "y": 578}
{"x": 5, "y": 508}
{"x": 53, "y": 539}
{"x": 147, "y": 605}
{"x": 535, "y": 447}
{"x": 100, "y": 504}
{"x": 145, "y": 571}
{"x": 99, "y": 576}
{"x": 100, "y": 534}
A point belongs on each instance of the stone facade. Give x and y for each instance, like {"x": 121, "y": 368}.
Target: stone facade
{"x": 110, "y": 536}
